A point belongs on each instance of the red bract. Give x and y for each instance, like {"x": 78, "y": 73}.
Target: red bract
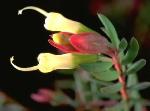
{"x": 87, "y": 43}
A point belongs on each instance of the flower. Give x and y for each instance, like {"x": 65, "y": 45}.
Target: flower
{"x": 85, "y": 43}
{"x": 49, "y": 62}
{"x": 43, "y": 95}
{"x": 56, "y": 97}
{"x": 57, "y": 22}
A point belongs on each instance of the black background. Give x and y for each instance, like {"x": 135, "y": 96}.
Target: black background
{"x": 24, "y": 37}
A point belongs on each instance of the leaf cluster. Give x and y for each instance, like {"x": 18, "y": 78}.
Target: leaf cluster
{"x": 105, "y": 71}
{"x": 97, "y": 85}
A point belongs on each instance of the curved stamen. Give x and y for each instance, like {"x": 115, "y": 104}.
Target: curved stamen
{"x": 20, "y": 68}
{"x": 43, "y": 12}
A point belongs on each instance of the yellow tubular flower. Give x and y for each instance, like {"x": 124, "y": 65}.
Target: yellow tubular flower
{"x": 57, "y": 22}
{"x": 49, "y": 62}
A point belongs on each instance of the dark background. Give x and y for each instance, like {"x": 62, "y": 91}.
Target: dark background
{"x": 24, "y": 37}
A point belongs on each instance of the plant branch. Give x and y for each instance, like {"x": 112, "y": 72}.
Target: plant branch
{"x": 121, "y": 78}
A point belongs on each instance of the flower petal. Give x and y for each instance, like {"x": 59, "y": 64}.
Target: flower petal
{"x": 39, "y": 98}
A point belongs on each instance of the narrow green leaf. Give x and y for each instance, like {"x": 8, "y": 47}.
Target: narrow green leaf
{"x": 136, "y": 66}
{"x": 108, "y": 75}
{"x": 101, "y": 83}
{"x": 100, "y": 70}
{"x": 131, "y": 80}
{"x": 123, "y": 44}
{"x": 94, "y": 90}
{"x": 58, "y": 98}
{"x": 80, "y": 86}
{"x": 126, "y": 105}
{"x": 109, "y": 30}
{"x": 134, "y": 94}
{"x": 132, "y": 52}
{"x": 138, "y": 106}
{"x": 111, "y": 89}
{"x": 105, "y": 31}
{"x": 140, "y": 86}
{"x": 97, "y": 66}
{"x": 143, "y": 101}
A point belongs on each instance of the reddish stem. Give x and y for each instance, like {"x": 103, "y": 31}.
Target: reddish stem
{"x": 123, "y": 90}
{"x": 121, "y": 77}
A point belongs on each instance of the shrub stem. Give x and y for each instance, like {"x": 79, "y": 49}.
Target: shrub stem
{"x": 121, "y": 77}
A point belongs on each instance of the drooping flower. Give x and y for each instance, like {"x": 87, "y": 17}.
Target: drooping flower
{"x": 57, "y": 22}
{"x": 48, "y": 62}
{"x": 88, "y": 42}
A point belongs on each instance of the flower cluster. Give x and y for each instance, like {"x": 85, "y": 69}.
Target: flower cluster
{"x": 79, "y": 43}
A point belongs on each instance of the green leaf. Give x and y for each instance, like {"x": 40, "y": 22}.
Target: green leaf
{"x": 105, "y": 31}
{"x": 80, "y": 86}
{"x": 109, "y": 30}
{"x": 132, "y": 52}
{"x": 131, "y": 80}
{"x": 123, "y": 44}
{"x": 143, "y": 101}
{"x": 108, "y": 75}
{"x": 97, "y": 66}
{"x": 58, "y": 98}
{"x": 140, "y": 86}
{"x": 136, "y": 66}
{"x": 134, "y": 94}
{"x": 138, "y": 106}
{"x": 101, "y": 83}
{"x": 111, "y": 89}
{"x": 100, "y": 70}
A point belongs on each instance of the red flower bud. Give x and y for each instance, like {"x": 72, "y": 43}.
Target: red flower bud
{"x": 43, "y": 96}
{"x": 87, "y": 43}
